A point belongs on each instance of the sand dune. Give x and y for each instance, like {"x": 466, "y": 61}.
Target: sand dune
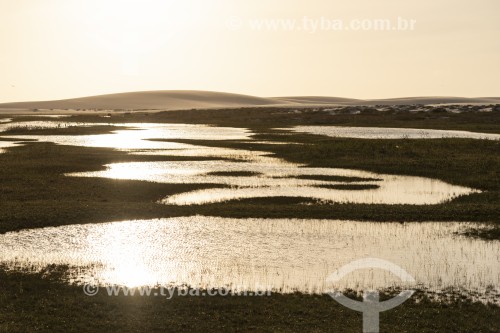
{"x": 435, "y": 100}
{"x": 317, "y": 100}
{"x": 164, "y": 100}
{"x": 187, "y": 99}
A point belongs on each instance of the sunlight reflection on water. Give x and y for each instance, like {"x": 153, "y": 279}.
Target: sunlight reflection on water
{"x": 277, "y": 179}
{"x": 284, "y": 254}
{"x": 45, "y": 124}
{"x": 6, "y": 144}
{"x": 137, "y": 137}
{"x": 389, "y": 133}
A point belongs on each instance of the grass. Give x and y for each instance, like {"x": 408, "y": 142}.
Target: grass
{"x": 349, "y": 187}
{"x": 488, "y": 122}
{"x": 466, "y": 162}
{"x": 488, "y": 234}
{"x": 35, "y": 193}
{"x": 42, "y": 303}
{"x": 336, "y": 178}
{"x": 64, "y": 129}
{"x": 233, "y": 173}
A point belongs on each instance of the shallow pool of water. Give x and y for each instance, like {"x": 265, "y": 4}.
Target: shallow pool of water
{"x": 276, "y": 178}
{"x": 389, "y": 133}
{"x": 56, "y": 116}
{"x": 44, "y": 124}
{"x": 6, "y": 144}
{"x": 283, "y": 255}
{"x": 137, "y": 137}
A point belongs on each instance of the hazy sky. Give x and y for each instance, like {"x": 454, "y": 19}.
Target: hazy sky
{"x": 53, "y": 49}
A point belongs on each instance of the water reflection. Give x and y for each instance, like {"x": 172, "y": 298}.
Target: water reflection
{"x": 137, "y": 139}
{"x": 282, "y": 254}
{"x": 286, "y": 255}
{"x": 6, "y": 144}
{"x": 57, "y": 116}
{"x": 277, "y": 178}
{"x": 45, "y": 124}
{"x": 139, "y": 136}
{"x": 389, "y": 133}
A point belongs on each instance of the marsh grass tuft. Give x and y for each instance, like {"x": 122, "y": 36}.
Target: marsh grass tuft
{"x": 35, "y": 192}
{"x": 42, "y": 303}
{"x": 234, "y": 173}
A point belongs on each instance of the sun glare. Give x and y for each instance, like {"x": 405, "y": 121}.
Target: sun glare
{"x": 132, "y": 29}
{"x": 126, "y": 258}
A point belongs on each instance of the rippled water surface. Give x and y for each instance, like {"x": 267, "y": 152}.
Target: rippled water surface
{"x": 280, "y": 254}
{"x": 272, "y": 177}
{"x": 43, "y": 124}
{"x": 275, "y": 178}
{"x": 390, "y": 133}
{"x": 6, "y": 144}
{"x": 137, "y": 137}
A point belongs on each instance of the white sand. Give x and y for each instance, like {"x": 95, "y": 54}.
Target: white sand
{"x": 188, "y": 99}
{"x": 163, "y": 100}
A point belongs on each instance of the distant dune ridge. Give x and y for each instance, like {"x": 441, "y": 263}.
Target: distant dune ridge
{"x": 318, "y": 100}
{"x": 389, "y": 101}
{"x": 188, "y": 99}
{"x": 165, "y": 100}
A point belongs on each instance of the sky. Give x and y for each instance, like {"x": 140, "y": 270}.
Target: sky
{"x": 55, "y": 49}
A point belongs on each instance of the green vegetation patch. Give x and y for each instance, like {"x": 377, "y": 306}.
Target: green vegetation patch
{"x": 42, "y": 303}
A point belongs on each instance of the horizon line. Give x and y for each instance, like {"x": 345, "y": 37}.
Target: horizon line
{"x": 249, "y": 95}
